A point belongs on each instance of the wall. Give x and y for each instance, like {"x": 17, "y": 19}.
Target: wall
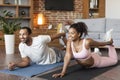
{"x": 56, "y": 17}
{"x": 112, "y": 8}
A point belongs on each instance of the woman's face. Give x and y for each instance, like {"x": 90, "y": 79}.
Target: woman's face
{"x": 73, "y": 34}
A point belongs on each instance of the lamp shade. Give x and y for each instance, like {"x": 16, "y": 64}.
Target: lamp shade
{"x": 40, "y": 20}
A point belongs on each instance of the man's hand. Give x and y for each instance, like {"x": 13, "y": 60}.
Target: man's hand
{"x": 11, "y": 66}
{"x": 58, "y": 75}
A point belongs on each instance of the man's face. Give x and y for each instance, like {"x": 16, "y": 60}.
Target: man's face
{"x": 23, "y": 35}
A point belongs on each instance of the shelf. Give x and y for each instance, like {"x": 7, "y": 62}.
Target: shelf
{"x": 16, "y": 17}
{"x": 8, "y": 5}
{"x": 96, "y": 9}
{"x": 14, "y": 5}
{"x": 21, "y": 9}
{"x": 93, "y": 8}
{"x": 16, "y": 2}
{"x": 24, "y": 5}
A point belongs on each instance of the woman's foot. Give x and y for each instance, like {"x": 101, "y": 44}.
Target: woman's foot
{"x": 108, "y": 35}
{"x": 97, "y": 51}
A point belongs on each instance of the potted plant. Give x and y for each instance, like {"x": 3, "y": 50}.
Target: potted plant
{"x": 8, "y": 26}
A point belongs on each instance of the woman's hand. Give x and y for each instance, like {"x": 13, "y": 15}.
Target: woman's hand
{"x": 58, "y": 75}
{"x": 110, "y": 42}
{"x": 67, "y": 58}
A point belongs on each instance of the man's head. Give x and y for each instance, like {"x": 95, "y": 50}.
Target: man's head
{"x": 28, "y": 30}
{"x": 24, "y": 34}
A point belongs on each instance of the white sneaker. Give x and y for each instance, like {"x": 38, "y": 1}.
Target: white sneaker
{"x": 97, "y": 51}
{"x": 108, "y": 35}
{"x": 60, "y": 28}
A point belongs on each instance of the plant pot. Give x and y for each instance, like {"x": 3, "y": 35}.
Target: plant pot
{"x": 9, "y": 43}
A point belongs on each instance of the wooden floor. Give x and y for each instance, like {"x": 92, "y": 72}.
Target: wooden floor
{"x": 5, "y": 59}
{"x": 113, "y": 74}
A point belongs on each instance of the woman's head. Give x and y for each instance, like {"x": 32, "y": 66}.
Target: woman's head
{"x": 78, "y": 29}
{"x": 81, "y": 28}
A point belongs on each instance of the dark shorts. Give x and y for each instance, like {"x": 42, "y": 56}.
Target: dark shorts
{"x": 59, "y": 54}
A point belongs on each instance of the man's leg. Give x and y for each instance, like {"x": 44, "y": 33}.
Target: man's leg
{"x": 59, "y": 54}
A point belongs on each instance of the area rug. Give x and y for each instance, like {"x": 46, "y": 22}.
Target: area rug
{"x": 31, "y": 70}
{"x": 76, "y": 72}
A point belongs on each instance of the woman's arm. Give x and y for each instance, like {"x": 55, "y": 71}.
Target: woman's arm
{"x": 67, "y": 58}
{"x": 94, "y": 43}
{"x": 24, "y": 63}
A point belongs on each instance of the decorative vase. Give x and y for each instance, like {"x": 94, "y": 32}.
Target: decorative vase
{"x": 22, "y": 13}
{"x": 9, "y": 43}
{"x": 19, "y": 2}
{"x": 16, "y": 2}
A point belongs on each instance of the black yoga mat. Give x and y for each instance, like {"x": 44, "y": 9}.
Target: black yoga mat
{"x": 76, "y": 72}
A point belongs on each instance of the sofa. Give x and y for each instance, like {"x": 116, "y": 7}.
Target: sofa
{"x": 97, "y": 28}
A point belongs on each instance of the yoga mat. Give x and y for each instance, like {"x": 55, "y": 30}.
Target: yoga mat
{"x": 31, "y": 70}
{"x": 76, "y": 72}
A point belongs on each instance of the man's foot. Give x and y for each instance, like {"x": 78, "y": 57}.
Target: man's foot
{"x": 60, "y": 28}
{"x": 97, "y": 51}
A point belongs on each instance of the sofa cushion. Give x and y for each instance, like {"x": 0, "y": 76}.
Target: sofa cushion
{"x": 113, "y": 23}
{"x": 94, "y": 25}
{"x": 117, "y": 43}
{"x": 115, "y": 36}
{"x": 93, "y": 35}
{"x": 102, "y": 36}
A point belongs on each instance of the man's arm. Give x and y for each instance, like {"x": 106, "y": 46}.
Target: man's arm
{"x": 24, "y": 63}
{"x": 56, "y": 36}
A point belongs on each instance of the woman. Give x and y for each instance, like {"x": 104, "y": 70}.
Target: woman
{"x": 79, "y": 49}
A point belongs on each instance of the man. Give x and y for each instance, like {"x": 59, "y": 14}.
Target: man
{"x": 35, "y": 49}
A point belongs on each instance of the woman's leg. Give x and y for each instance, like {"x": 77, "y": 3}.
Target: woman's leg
{"x": 112, "y": 58}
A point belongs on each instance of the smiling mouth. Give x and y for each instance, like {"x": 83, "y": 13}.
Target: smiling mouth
{"x": 22, "y": 39}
